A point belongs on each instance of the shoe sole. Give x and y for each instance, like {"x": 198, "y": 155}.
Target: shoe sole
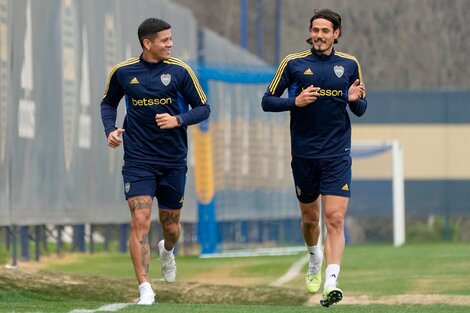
{"x": 333, "y": 297}
{"x": 169, "y": 280}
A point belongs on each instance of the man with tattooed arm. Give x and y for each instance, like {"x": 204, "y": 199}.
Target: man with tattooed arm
{"x": 158, "y": 90}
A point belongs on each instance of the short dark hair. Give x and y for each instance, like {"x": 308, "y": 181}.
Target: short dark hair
{"x": 329, "y": 15}
{"x": 149, "y": 28}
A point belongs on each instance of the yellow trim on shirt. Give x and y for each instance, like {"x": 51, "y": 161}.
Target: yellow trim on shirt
{"x": 351, "y": 57}
{"x": 124, "y": 63}
{"x": 198, "y": 87}
{"x": 277, "y": 77}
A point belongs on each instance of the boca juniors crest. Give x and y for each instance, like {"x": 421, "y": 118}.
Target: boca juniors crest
{"x": 339, "y": 70}
{"x": 166, "y": 79}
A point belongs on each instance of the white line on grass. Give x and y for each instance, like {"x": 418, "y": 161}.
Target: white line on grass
{"x": 293, "y": 271}
{"x": 113, "y": 307}
{"x": 255, "y": 252}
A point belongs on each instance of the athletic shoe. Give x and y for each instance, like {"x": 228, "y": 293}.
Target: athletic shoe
{"x": 147, "y": 299}
{"x": 313, "y": 282}
{"x": 147, "y": 296}
{"x": 168, "y": 263}
{"x": 331, "y": 296}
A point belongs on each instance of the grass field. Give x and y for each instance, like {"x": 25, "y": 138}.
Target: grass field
{"x": 413, "y": 278}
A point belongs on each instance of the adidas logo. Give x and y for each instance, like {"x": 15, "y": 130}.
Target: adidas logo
{"x": 334, "y": 275}
{"x": 134, "y": 80}
{"x": 345, "y": 187}
{"x": 308, "y": 72}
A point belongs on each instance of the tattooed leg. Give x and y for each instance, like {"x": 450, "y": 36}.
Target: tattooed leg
{"x": 170, "y": 221}
{"x": 141, "y": 208}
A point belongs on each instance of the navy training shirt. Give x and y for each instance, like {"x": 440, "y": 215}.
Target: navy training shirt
{"x": 169, "y": 86}
{"x": 322, "y": 129}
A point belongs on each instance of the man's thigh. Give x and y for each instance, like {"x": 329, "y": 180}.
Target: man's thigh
{"x": 336, "y": 176}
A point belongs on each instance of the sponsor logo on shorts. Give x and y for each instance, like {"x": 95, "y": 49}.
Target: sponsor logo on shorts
{"x": 127, "y": 187}
{"x": 298, "y": 190}
{"x": 345, "y": 187}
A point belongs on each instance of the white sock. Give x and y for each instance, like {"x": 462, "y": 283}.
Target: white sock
{"x": 316, "y": 257}
{"x": 145, "y": 288}
{"x": 165, "y": 252}
{"x": 331, "y": 276}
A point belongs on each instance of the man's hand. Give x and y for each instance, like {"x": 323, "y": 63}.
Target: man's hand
{"x": 356, "y": 91}
{"x": 308, "y": 95}
{"x": 166, "y": 121}
{"x": 114, "y": 138}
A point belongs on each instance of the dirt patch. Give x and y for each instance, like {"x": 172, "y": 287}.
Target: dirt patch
{"x": 400, "y": 299}
{"x": 53, "y": 285}
{"x": 224, "y": 294}
{"x": 56, "y": 285}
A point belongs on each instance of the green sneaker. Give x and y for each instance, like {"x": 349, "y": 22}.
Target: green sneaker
{"x": 331, "y": 296}
{"x": 313, "y": 282}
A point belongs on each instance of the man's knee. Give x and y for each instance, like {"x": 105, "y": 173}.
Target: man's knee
{"x": 171, "y": 229}
{"x": 140, "y": 222}
{"x": 170, "y": 221}
{"x": 310, "y": 224}
{"x": 335, "y": 221}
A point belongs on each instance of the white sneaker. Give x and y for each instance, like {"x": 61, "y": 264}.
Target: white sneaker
{"x": 168, "y": 263}
{"x": 147, "y": 296}
{"x": 147, "y": 299}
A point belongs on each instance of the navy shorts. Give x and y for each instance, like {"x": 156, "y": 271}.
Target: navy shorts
{"x": 312, "y": 177}
{"x": 165, "y": 184}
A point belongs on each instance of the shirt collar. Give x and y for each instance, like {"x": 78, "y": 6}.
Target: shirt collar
{"x": 322, "y": 57}
{"x": 150, "y": 64}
